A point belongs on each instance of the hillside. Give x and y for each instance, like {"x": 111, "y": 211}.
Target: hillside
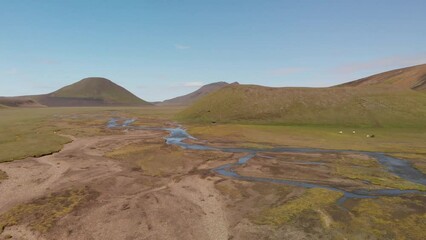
{"x": 95, "y": 89}
{"x": 190, "y": 98}
{"x": 344, "y": 105}
{"x": 404, "y": 78}
{"x": 92, "y": 91}
{"x": 19, "y": 102}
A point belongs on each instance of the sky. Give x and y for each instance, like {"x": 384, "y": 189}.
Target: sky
{"x": 163, "y": 49}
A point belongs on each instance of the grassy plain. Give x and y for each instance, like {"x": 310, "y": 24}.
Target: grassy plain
{"x": 392, "y": 140}
{"x": 27, "y": 132}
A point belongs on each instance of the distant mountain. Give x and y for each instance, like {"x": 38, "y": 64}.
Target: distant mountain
{"x": 404, "y": 78}
{"x": 190, "y": 98}
{"x": 388, "y": 99}
{"x": 92, "y": 91}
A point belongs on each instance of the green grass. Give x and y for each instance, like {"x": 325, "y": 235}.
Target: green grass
{"x": 315, "y": 213}
{"x": 313, "y": 199}
{"x": 26, "y": 132}
{"x": 41, "y": 214}
{"x": 3, "y": 175}
{"x": 153, "y": 159}
{"x": 402, "y": 140}
{"x": 349, "y": 107}
{"x": 376, "y": 176}
{"x": 159, "y": 159}
{"x": 386, "y": 218}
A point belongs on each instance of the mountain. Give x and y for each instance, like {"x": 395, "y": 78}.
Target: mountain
{"x": 93, "y": 91}
{"x": 190, "y": 98}
{"x": 404, "y": 78}
{"x": 387, "y": 99}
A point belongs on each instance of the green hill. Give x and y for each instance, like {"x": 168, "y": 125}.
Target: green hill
{"x": 346, "y": 106}
{"x": 96, "y": 88}
{"x": 92, "y": 91}
{"x": 405, "y": 78}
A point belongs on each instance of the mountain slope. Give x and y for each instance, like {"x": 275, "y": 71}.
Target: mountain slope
{"x": 87, "y": 92}
{"x": 190, "y": 98}
{"x": 347, "y": 105}
{"x": 404, "y": 78}
{"x": 98, "y": 90}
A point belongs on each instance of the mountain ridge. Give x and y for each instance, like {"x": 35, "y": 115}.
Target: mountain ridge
{"x": 190, "y": 98}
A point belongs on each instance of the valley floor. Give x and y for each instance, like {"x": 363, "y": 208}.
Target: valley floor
{"x": 129, "y": 184}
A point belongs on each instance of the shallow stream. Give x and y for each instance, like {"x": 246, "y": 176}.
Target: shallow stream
{"x": 397, "y": 166}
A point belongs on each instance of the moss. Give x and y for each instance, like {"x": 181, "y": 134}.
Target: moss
{"x": 153, "y": 159}
{"x": 230, "y": 190}
{"x": 3, "y": 175}
{"x": 388, "y": 218}
{"x": 313, "y": 199}
{"x": 377, "y": 176}
{"x": 41, "y": 214}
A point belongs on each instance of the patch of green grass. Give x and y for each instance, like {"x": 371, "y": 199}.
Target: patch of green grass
{"x": 313, "y": 199}
{"x": 41, "y": 214}
{"x": 377, "y": 176}
{"x": 26, "y": 132}
{"x": 387, "y": 218}
{"x": 381, "y": 218}
{"x": 3, "y": 175}
{"x": 230, "y": 190}
{"x": 153, "y": 159}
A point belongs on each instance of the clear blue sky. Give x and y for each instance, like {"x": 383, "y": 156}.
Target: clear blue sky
{"x": 161, "y": 49}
